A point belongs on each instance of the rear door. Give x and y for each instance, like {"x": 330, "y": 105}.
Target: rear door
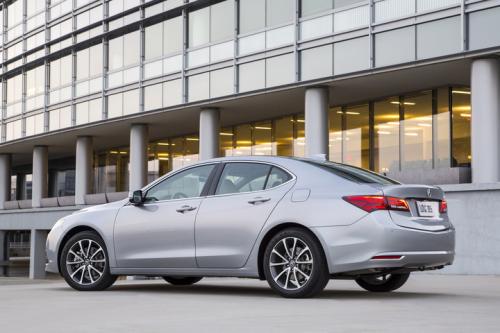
{"x": 229, "y": 222}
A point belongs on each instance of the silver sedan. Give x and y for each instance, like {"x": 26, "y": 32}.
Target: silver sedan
{"x": 296, "y": 223}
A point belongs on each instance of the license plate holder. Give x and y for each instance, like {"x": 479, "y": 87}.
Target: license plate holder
{"x": 428, "y": 208}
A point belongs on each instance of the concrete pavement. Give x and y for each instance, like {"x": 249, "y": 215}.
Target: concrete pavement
{"x": 428, "y": 303}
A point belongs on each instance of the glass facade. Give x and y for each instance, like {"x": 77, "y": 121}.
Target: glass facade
{"x": 64, "y": 53}
{"x": 400, "y": 133}
{"x": 68, "y": 63}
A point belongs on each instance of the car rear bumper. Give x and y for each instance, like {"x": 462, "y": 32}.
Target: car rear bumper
{"x": 352, "y": 248}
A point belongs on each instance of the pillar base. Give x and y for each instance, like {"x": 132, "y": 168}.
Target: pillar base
{"x": 38, "y": 258}
{"x": 3, "y": 253}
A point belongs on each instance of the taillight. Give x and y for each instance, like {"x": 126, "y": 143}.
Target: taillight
{"x": 371, "y": 203}
{"x": 443, "y": 207}
{"x": 397, "y": 204}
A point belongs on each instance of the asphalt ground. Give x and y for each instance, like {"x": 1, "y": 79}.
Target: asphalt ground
{"x": 427, "y": 303}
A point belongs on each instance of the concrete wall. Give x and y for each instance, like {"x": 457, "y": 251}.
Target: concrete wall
{"x": 426, "y": 175}
{"x": 474, "y": 209}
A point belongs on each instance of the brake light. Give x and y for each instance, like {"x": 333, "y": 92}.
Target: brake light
{"x": 397, "y": 204}
{"x": 443, "y": 207}
{"x": 371, "y": 203}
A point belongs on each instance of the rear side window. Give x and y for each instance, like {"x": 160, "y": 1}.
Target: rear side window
{"x": 242, "y": 177}
{"x": 277, "y": 177}
{"x": 249, "y": 177}
{"x": 353, "y": 173}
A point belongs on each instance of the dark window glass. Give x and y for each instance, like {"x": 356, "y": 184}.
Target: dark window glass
{"x": 185, "y": 184}
{"x": 461, "y": 129}
{"x": 277, "y": 177}
{"x": 243, "y": 177}
{"x": 352, "y": 173}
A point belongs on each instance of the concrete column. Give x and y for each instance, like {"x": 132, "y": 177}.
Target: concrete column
{"x": 38, "y": 258}
{"x": 138, "y": 156}
{"x": 83, "y": 168}
{"x": 3, "y": 254}
{"x": 316, "y": 121}
{"x": 209, "y": 133}
{"x": 5, "y": 171}
{"x": 485, "y": 128}
{"x": 39, "y": 185}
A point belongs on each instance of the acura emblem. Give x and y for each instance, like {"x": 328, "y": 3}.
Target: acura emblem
{"x": 429, "y": 192}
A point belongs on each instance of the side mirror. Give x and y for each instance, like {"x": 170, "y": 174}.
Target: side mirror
{"x": 137, "y": 198}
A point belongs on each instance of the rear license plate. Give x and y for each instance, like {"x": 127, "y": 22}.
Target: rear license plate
{"x": 428, "y": 208}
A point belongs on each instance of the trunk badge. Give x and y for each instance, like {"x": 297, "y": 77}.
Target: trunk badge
{"x": 429, "y": 192}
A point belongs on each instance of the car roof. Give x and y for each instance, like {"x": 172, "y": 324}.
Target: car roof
{"x": 279, "y": 160}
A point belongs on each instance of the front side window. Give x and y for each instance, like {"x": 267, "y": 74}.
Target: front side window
{"x": 182, "y": 185}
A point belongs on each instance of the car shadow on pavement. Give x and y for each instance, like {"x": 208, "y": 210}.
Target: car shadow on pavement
{"x": 264, "y": 291}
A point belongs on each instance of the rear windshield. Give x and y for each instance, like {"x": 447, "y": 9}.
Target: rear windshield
{"x": 352, "y": 173}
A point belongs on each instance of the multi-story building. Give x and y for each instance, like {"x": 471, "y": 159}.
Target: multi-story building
{"x": 100, "y": 97}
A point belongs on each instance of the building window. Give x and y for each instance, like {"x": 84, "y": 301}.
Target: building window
{"x": 123, "y": 104}
{"x": 252, "y": 76}
{"x": 163, "y": 44}
{"x": 35, "y": 124}
{"x": 89, "y": 70}
{"x": 13, "y": 130}
{"x": 316, "y": 63}
{"x": 386, "y": 135}
{"x": 356, "y": 136}
{"x": 442, "y": 130}
{"x": 60, "y": 118}
{"x": 15, "y": 14}
{"x": 124, "y": 57}
{"x": 59, "y": 8}
{"x": 258, "y": 14}
{"x": 14, "y": 95}
{"x": 88, "y": 112}
{"x": 35, "y": 13}
{"x": 417, "y": 131}
{"x": 335, "y": 120}
{"x": 461, "y": 127}
{"x": 35, "y": 88}
{"x": 308, "y": 7}
{"x": 60, "y": 79}
{"x": 211, "y": 24}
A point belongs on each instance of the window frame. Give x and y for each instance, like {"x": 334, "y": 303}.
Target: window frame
{"x": 217, "y": 177}
{"x": 204, "y": 191}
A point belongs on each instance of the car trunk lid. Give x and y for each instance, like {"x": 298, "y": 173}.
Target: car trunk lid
{"x": 423, "y": 202}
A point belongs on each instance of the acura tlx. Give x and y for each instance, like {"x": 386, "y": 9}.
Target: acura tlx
{"x": 294, "y": 222}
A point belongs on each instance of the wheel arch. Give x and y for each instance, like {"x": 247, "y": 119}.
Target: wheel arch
{"x": 271, "y": 233}
{"x": 70, "y": 233}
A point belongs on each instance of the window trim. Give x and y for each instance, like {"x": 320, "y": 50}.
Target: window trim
{"x": 216, "y": 179}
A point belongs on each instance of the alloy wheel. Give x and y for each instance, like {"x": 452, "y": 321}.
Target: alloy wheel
{"x": 86, "y": 262}
{"x": 291, "y": 263}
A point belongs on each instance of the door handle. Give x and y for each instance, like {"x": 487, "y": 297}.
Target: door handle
{"x": 258, "y": 200}
{"x": 185, "y": 208}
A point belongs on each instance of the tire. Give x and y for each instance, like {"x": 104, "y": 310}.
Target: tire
{"x": 84, "y": 262}
{"x": 386, "y": 283}
{"x": 301, "y": 275}
{"x": 182, "y": 280}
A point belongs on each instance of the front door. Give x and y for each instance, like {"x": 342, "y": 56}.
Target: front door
{"x": 160, "y": 233}
{"x": 229, "y": 222}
